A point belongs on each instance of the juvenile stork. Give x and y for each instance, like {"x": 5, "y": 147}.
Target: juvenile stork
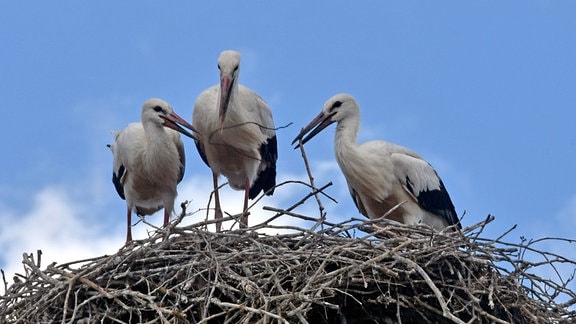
{"x": 382, "y": 175}
{"x": 236, "y": 136}
{"x": 149, "y": 161}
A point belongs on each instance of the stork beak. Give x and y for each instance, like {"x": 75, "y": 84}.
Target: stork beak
{"x": 174, "y": 121}
{"x": 226, "y": 84}
{"x": 320, "y": 122}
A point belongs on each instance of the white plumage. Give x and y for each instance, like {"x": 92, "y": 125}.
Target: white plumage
{"x": 382, "y": 175}
{"x": 149, "y": 161}
{"x": 236, "y": 135}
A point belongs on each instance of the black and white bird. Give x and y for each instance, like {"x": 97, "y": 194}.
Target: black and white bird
{"x": 149, "y": 161}
{"x": 236, "y": 136}
{"x": 382, "y": 175}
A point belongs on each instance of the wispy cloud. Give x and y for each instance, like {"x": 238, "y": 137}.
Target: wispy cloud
{"x": 58, "y": 226}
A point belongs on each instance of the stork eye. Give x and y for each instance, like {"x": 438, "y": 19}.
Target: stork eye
{"x": 218, "y": 66}
{"x": 335, "y": 105}
{"x": 236, "y": 68}
{"x": 157, "y": 109}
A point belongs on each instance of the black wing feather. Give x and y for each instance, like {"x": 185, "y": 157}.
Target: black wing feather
{"x": 266, "y": 179}
{"x": 116, "y": 180}
{"x": 200, "y": 149}
{"x": 357, "y": 201}
{"x": 436, "y": 201}
{"x": 182, "y": 156}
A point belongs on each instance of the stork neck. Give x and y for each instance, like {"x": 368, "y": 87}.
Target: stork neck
{"x": 347, "y": 132}
{"x": 158, "y": 155}
{"x": 156, "y": 138}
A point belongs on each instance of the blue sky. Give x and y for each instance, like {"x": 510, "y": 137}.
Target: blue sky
{"x": 484, "y": 90}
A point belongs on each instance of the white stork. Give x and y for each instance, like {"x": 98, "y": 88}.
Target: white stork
{"x": 236, "y": 136}
{"x": 149, "y": 161}
{"x": 382, "y": 175}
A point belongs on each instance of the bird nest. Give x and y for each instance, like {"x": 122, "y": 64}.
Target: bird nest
{"x": 353, "y": 272}
{"x": 356, "y": 271}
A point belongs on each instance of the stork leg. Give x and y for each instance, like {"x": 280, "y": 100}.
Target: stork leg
{"x": 218, "y": 211}
{"x": 129, "y": 225}
{"x": 244, "y": 217}
{"x": 166, "y": 217}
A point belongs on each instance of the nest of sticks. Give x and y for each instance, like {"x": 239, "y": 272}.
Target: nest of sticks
{"x": 356, "y": 271}
{"x": 392, "y": 273}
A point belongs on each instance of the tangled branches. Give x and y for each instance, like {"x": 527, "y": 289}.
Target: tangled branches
{"x": 356, "y": 271}
{"x": 395, "y": 273}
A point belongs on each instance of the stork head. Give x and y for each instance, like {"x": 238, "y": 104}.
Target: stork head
{"x": 229, "y": 66}
{"x": 335, "y": 109}
{"x": 159, "y": 112}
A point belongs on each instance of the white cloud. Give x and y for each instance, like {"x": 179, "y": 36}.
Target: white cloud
{"x": 56, "y": 225}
